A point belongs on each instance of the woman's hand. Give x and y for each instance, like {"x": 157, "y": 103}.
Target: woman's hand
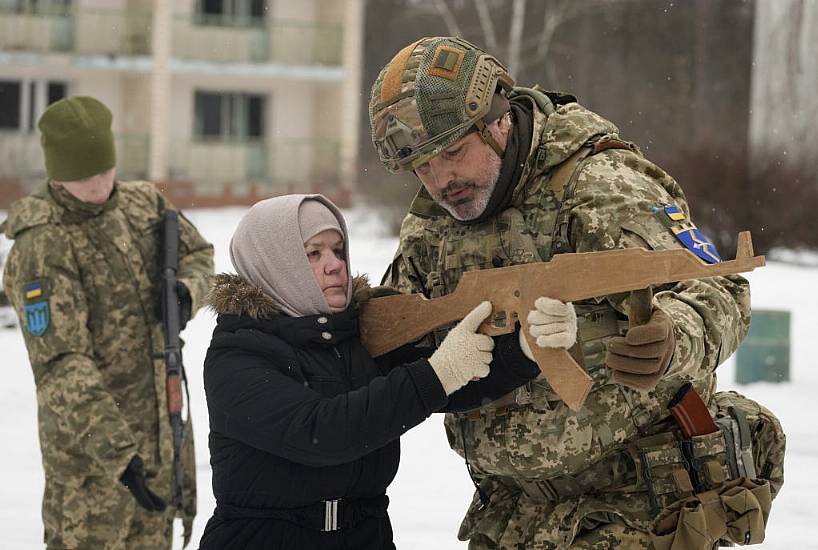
{"x": 464, "y": 355}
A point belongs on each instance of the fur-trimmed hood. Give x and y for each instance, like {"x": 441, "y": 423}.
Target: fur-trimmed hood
{"x": 233, "y": 295}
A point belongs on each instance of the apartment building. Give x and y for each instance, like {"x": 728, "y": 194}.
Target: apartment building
{"x": 222, "y": 101}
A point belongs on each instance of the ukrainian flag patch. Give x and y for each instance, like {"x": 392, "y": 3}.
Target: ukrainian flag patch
{"x": 33, "y": 291}
{"x": 693, "y": 239}
{"x": 674, "y": 213}
{"x": 35, "y": 306}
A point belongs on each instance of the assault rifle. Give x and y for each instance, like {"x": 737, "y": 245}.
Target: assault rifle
{"x": 392, "y": 321}
{"x": 171, "y": 325}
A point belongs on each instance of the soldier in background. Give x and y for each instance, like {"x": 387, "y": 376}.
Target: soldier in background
{"x": 83, "y": 276}
{"x": 513, "y": 175}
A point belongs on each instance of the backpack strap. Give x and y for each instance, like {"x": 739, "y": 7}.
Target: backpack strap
{"x": 563, "y": 182}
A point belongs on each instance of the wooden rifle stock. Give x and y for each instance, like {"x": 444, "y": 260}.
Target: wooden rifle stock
{"x": 392, "y": 321}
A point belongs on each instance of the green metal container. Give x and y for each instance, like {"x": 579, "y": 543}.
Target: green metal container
{"x": 764, "y": 356}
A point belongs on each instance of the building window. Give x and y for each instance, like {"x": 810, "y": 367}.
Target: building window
{"x": 231, "y": 13}
{"x": 229, "y": 116}
{"x": 56, "y": 91}
{"x": 22, "y": 102}
{"x": 9, "y": 105}
{"x": 47, "y": 91}
{"x": 39, "y": 7}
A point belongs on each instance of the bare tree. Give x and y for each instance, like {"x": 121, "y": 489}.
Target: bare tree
{"x": 486, "y": 24}
{"x": 526, "y": 46}
{"x": 515, "y": 35}
{"x": 448, "y": 17}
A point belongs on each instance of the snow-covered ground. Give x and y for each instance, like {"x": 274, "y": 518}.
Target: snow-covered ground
{"x": 432, "y": 489}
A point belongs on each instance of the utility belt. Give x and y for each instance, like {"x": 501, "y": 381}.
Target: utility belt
{"x": 325, "y": 516}
{"x": 666, "y": 465}
{"x": 716, "y": 487}
{"x": 703, "y": 488}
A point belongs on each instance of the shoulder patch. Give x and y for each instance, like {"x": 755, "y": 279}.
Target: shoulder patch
{"x": 34, "y": 290}
{"x": 686, "y": 232}
{"x": 674, "y": 213}
{"x": 693, "y": 239}
{"x": 35, "y": 305}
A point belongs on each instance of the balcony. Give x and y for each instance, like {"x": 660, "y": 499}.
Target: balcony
{"x": 89, "y": 32}
{"x": 193, "y": 37}
{"x": 284, "y": 42}
{"x": 22, "y": 157}
{"x": 287, "y": 165}
{"x": 35, "y": 32}
{"x": 295, "y": 164}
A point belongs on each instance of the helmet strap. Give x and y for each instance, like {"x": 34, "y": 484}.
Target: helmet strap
{"x": 485, "y": 134}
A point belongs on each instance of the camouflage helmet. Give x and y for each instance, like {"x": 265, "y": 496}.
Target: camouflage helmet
{"x": 432, "y": 93}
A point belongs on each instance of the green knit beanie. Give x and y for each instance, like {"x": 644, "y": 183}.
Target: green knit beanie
{"x": 76, "y": 138}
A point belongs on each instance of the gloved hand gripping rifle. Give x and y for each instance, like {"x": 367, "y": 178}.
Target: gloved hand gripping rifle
{"x": 392, "y": 321}
{"x": 171, "y": 324}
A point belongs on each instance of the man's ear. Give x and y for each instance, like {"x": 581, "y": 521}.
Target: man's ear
{"x": 504, "y": 123}
{"x": 503, "y": 127}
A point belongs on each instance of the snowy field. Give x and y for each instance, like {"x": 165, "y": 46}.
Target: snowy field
{"x": 432, "y": 489}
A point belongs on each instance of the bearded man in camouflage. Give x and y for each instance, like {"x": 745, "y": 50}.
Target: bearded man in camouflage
{"x": 512, "y": 175}
{"x": 83, "y": 276}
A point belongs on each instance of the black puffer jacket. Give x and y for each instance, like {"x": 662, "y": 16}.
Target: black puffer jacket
{"x": 300, "y": 414}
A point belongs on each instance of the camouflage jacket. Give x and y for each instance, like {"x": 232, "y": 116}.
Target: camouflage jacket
{"x": 613, "y": 199}
{"x": 84, "y": 280}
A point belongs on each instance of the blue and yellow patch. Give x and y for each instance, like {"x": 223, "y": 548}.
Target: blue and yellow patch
{"x": 674, "y": 213}
{"x": 693, "y": 239}
{"x": 35, "y": 306}
{"x": 33, "y": 291}
{"x": 38, "y": 318}
{"x": 673, "y": 217}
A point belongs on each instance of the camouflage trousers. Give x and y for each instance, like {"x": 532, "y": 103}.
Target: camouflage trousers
{"x": 514, "y": 521}
{"x": 94, "y": 513}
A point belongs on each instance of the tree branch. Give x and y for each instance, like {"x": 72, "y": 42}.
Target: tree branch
{"x": 448, "y": 18}
{"x": 515, "y": 35}
{"x": 487, "y": 24}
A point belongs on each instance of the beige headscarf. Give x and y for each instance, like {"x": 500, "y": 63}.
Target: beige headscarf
{"x": 267, "y": 249}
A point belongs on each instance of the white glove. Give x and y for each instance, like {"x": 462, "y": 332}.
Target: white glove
{"x": 464, "y": 355}
{"x": 552, "y": 323}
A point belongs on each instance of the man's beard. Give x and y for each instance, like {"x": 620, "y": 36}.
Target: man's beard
{"x": 471, "y": 207}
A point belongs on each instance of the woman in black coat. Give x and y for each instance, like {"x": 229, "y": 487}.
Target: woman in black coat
{"x": 304, "y": 424}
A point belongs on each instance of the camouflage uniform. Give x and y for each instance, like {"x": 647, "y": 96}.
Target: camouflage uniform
{"x": 84, "y": 280}
{"x": 555, "y": 478}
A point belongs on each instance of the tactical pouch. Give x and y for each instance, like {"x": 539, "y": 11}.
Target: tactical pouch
{"x": 672, "y": 468}
{"x": 708, "y": 460}
{"x": 759, "y": 441}
{"x": 661, "y": 467}
{"x": 735, "y": 513}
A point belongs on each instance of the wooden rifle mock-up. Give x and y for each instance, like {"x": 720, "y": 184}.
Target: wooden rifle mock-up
{"x": 392, "y": 321}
